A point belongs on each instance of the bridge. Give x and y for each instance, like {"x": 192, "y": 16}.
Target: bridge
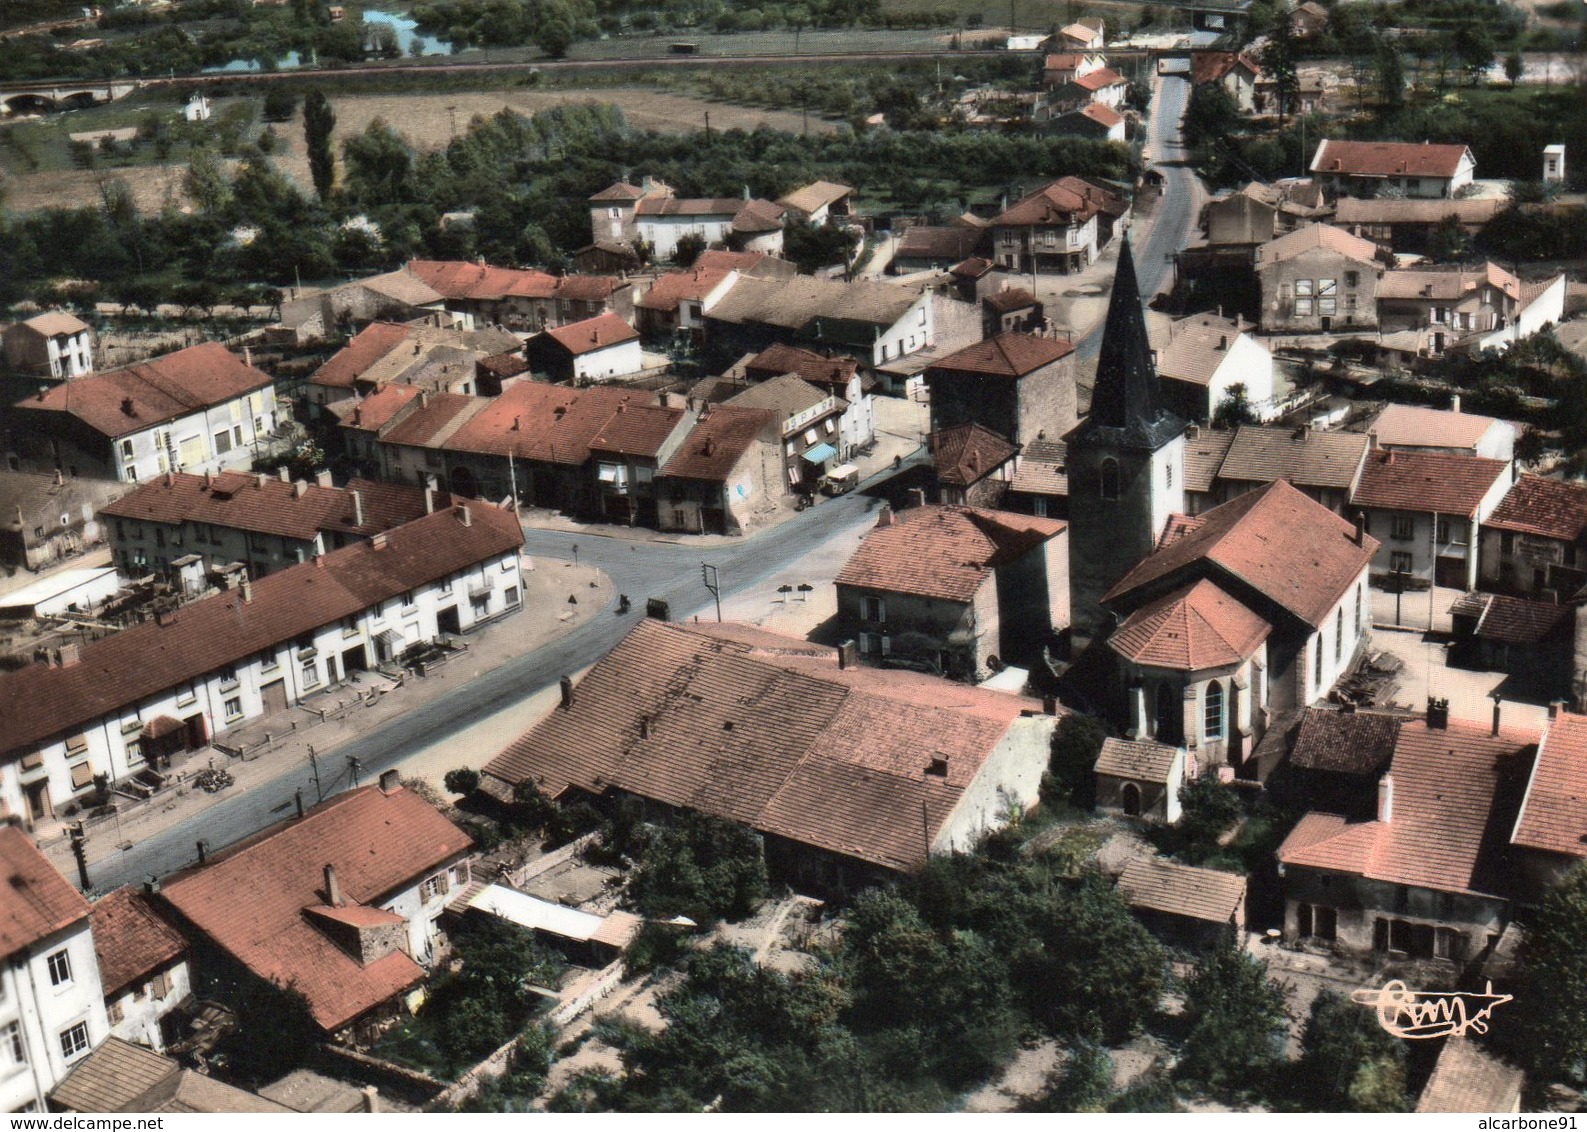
{"x": 30, "y": 98}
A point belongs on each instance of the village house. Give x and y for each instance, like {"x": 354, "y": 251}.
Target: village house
{"x": 1427, "y": 509}
{"x": 264, "y": 522}
{"x": 1308, "y": 19}
{"x": 580, "y": 353}
{"x": 1056, "y": 229}
{"x": 54, "y": 345}
{"x": 972, "y": 465}
{"x": 46, "y": 517}
{"x": 678, "y": 301}
{"x": 1013, "y": 310}
{"x": 960, "y": 590}
{"x": 108, "y": 709}
{"x": 1082, "y": 35}
{"x": 1533, "y": 640}
{"x": 1547, "y": 838}
{"x": 1335, "y": 757}
{"x": 1201, "y": 359}
{"x": 441, "y": 359}
{"x": 1040, "y": 483}
{"x": 1095, "y": 120}
{"x": 927, "y": 248}
{"x": 143, "y": 967}
{"x": 343, "y": 903}
{"x": 1236, "y": 72}
{"x": 121, "y": 1076}
{"x": 1459, "y": 304}
{"x": 612, "y": 218}
{"x": 873, "y": 322}
{"x": 1318, "y": 279}
{"x": 1324, "y": 465}
{"x": 1104, "y": 85}
{"x": 1423, "y": 877}
{"x": 742, "y": 224}
{"x": 1016, "y": 385}
{"x": 523, "y": 301}
{"x": 839, "y": 375}
{"x": 1065, "y": 67}
{"x": 394, "y": 297}
{"x": 1534, "y": 543}
{"x": 820, "y": 202}
{"x": 1401, "y": 225}
{"x": 1140, "y": 778}
{"x": 202, "y": 409}
{"x": 1259, "y": 212}
{"x": 724, "y": 474}
{"x": 627, "y": 453}
{"x": 1467, "y": 1078}
{"x": 52, "y": 1011}
{"x": 846, "y": 771}
{"x": 1365, "y": 169}
{"x": 1200, "y": 908}
{"x": 1421, "y": 428}
{"x": 807, "y": 422}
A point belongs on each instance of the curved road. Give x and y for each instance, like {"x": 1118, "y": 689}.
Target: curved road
{"x": 639, "y": 569}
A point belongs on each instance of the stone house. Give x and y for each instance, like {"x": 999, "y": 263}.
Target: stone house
{"x": 1140, "y": 778}
{"x": 873, "y": 322}
{"x": 958, "y": 589}
{"x": 1533, "y": 640}
{"x": 1200, "y": 360}
{"x": 1095, "y": 120}
{"x": 1408, "y": 225}
{"x": 1534, "y": 543}
{"x": 724, "y": 474}
{"x": 1054, "y": 230}
{"x": 143, "y": 967}
{"x": 807, "y": 420}
{"x": 1016, "y": 385}
{"x": 525, "y": 301}
{"x": 1236, "y": 72}
{"x": 1324, "y": 465}
{"x": 1487, "y": 308}
{"x": 1011, "y": 310}
{"x": 1365, "y": 169}
{"x": 53, "y": 345}
{"x": 1067, "y": 66}
{"x": 440, "y": 359}
{"x": 1182, "y": 904}
{"x": 974, "y": 466}
{"x": 1421, "y": 428}
{"x": 927, "y": 248}
{"x": 744, "y": 224}
{"x": 394, "y": 297}
{"x": 1104, "y": 85}
{"x": 820, "y": 202}
{"x": 202, "y": 409}
{"x": 1427, "y": 510}
{"x": 678, "y": 301}
{"x": 612, "y": 216}
{"x": 1318, "y": 279}
{"x": 45, "y": 518}
{"x": 839, "y": 375}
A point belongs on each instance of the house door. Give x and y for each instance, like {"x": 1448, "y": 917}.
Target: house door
{"x": 1131, "y": 797}
{"x": 197, "y": 732}
{"x": 274, "y": 696}
{"x": 355, "y": 660}
{"x": 1327, "y": 323}
{"x": 449, "y": 622}
{"x": 39, "y": 800}
{"x": 1450, "y": 572}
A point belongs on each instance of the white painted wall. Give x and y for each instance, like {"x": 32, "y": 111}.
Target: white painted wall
{"x": 43, "y": 1010}
{"x": 197, "y": 439}
{"x": 609, "y": 361}
{"x": 1011, "y": 774}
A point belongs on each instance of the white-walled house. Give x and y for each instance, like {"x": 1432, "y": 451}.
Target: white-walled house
{"x": 582, "y": 352}
{"x": 111, "y": 707}
{"x": 1427, "y": 509}
{"x": 53, "y": 345}
{"x": 1368, "y": 168}
{"x": 52, "y": 1008}
{"x": 143, "y": 967}
{"x": 873, "y": 322}
{"x": 202, "y": 409}
{"x": 1201, "y": 358}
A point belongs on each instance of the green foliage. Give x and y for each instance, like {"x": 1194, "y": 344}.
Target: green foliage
{"x": 1211, "y": 114}
{"x": 1348, "y": 1062}
{"x": 1551, "y": 996}
{"x": 319, "y": 121}
{"x": 378, "y": 167}
{"x": 810, "y": 247}
{"x": 1084, "y": 1083}
{"x": 700, "y": 867}
{"x": 1076, "y": 742}
{"x": 488, "y": 1001}
{"x": 1237, "y": 1025}
{"x": 688, "y": 249}
{"x": 462, "y": 780}
{"x": 1208, "y": 810}
{"x": 1234, "y": 409}
{"x": 656, "y": 946}
{"x": 525, "y": 1078}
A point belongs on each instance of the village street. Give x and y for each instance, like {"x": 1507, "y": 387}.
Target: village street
{"x": 640, "y": 569}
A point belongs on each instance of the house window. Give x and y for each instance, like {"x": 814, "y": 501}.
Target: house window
{"x": 1400, "y": 561}
{"x": 1039, "y": 508}
{"x": 1304, "y": 287}
{"x": 408, "y": 600}
{"x": 510, "y": 595}
{"x": 1303, "y": 306}
{"x": 311, "y": 674}
{"x": 1109, "y": 481}
{"x": 228, "y": 677}
{"x": 186, "y": 694}
{"x": 268, "y": 660}
{"x": 60, "y": 967}
{"x": 126, "y": 449}
{"x": 1212, "y": 712}
{"x": 1316, "y": 673}
{"x": 1352, "y": 278}
{"x": 115, "y": 1012}
{"x": 74, "y": 1040}
{"x": 1451, "y": 532}
{"x": 1506, "y": 542}
{"x": 875, "y": 644}
{"x": 1402, "y": 527}
{"x": 222, "y": 442}
{"x": 11, "y": 1043}
{"x": 233, "y": 708}
{"x": 1168, "y": 475}
{"x": 875, "y": 610}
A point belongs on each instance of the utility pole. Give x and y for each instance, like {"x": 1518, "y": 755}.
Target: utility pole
{"x": 353, "y": 767}
{"x": 713, "y": 582}
{"x": 80, "y": 851}
{"x": 315, "y": 763}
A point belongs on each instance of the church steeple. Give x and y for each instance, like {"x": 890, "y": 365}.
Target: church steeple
{"x": 1127, "y": 394}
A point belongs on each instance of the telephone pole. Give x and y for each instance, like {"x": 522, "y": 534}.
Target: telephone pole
{"x": 713, "y": 582}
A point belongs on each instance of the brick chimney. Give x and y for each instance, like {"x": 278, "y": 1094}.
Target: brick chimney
{"x": 324, "y": 478}
{"x": 848, "y": 655}
{"x": 1498, "y": 702}
{"x": 333, "y": 887}
{"x": 71, "y": 654}
{"x": 390, "y": 781}
{"x": 463, "y": 515}
{"x": 300, "y": 489}
{"x": 1361, "y": 528}
{"x": 358, "y": 508}
{"x": 884, "y": 517}
{"x": 566, "y": 685}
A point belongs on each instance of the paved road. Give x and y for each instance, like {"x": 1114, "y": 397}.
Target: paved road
{"x": 639, "y": 569}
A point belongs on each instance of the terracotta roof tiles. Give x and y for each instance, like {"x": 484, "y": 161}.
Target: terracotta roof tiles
{"x": 1193, "y": 629}
{"x": 967, "y": 453}
{"x": 1553, "y": 815}
{"x": 674, "y": 287}
{"x": 35, "y": 902}
{"x": 1144, "y": 760}
{"x": 1417, "y": 426}
{"x": 1009, "y": 354}
{"x": 1387, "y": 159}
{"x": 1344, "y": 742}
{"x": 1043, "y": 469}
{"x": 131, "y": 939}
{"x": 1156, "y": 884}
{"x": 717, "y": 442}
{"x": 1514, "y": 620}
{"x": 1304, "y": 457}
{"x": 1467, "y": 1078}
{"x": 592, "y": 334}
{"x": 368, "y": 346}
{"x": 1548, "y": 508}
{"x": 1442, "y": 482}
{"x": 945, "y": 553}
{"x": 1312, "y": 237}
{"x": 267, "y": 505}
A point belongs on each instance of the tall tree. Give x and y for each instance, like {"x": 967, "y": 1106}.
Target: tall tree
{"x": 1514, "y": 66}
{"x": 1551, "y": 1001}
{"x": 1278, "y": 60}
{"x": 1391, "y": 75}
{"x": 1237, "y": 1024}
{"x": 1348, "y": 1062}
{"x": 319, "y": 121}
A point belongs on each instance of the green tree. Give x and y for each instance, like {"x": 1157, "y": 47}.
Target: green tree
{"x": 1236, "y": 1025}
{"x": 1070, "y": 780}
{"x": 1348, "y": 1062}
{"x": 1211, "y": 115}
{"x": 1391, "y": 74}
{"x": 1473, "y": 46}
{"x": 1278, "y": 63}
{"x": 378, "y": 166}
{"x": 688, "y": 249}
{"x": 1084, "y": 1083}
{"x": 810, "y": 247}
{"x": 319, "y": 122}
{"x": 1514, "y": 67}
{"x": 1551, "y": 998}
{"x": 1447, "y": 242}
{"x": 700, "y": 867}
{"x": 1208, "y": 810}
{"x": 1234, "y": 408}
{"x": 279, "y": 103}
{"x": 462, "y": 780}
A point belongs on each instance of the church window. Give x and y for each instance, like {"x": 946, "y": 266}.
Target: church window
{"x": 1110, "y": 478}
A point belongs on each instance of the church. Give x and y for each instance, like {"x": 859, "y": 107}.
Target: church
{"x": 1195, "y": 631}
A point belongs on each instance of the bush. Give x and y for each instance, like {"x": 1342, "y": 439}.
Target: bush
{"x": 1076, "y": 742}
{"x": 463, "y": 780}
{"x": 701, "y": 867}
{"x": 1208, "y": 810}
{"x": 657, "y": 946}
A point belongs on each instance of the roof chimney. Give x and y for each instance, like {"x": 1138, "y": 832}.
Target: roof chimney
{"x": 1454, "y": 403}
{"x": 358, "y": 508}
{"x": 71, "y": 654}
{"x": 258, "y": 480}
{"x": 884, "y": 517}
{"x": 463, "y": 516}
{"x": 1498, "y": 701}
{"x": 390, "y": 781}
{"x": 1223, "y": 341}
{"x": 917, "y": 497}
{"x": 1555, "y": 707}
{"x": 323, "y": 478}
{"x": 377, "y": 541}
{"x": 209, "y": 480}
{"x": 1361, "y": 528}
{"x": 247, "y": 591}
{"x": 429, "y": 500}
{"x": 300, "y": 489}
{"x": 1438, "y": 714}
{"x": 848, "y": 654}
{"x": 333, "y": 887}
{"x": 126, "y": 406}
{"x": 1386, "y": 798}
{"x": 203, "y": 850}
{"x": 566, "y": 684}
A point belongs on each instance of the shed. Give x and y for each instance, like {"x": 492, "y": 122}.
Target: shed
{"x": 1184, "y": 903}
{"x": 1140, "y": 778}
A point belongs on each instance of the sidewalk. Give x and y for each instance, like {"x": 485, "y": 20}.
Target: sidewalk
{"x": 545, "y": 617}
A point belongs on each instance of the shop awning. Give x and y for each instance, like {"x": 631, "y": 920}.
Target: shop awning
{"x": 161, "y": 726}
{"x": 820, "y": 454}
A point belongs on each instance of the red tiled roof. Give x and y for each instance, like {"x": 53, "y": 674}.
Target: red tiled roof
{"x": 127, "y": 400}
{"x": 1102, "y": 114}
{"x": 39, "y": 701}
{"x": 1312, "y": 237}
{"x": 1160, "y": 885}
{"x": 1199, "y": 627}
{"x": 675, "y": 286}
{"x": 1098, "y": 79}
{"x": 1009, "y": 299}
{"x": 759, "y": 216}
{"x": 1445, "y": 784}
{"x": 967, "y": 453}
{"x": 1388, "y": 159}
{"x": 719, "y": 259}
{"x": 1451, "y": 285}
{"x": 717, "y": 442}
{"x": 619, "y": 191}
{"x": 593, "y": 334}
{"x": 376, "y": 410}
{"x": 637, "y": 431}
{"x": 1553, "y": 814}
{"x": 972, "y": 268}
{"x": 368, "y": 346}
{"x": 131, "y": 939}
{"x": 1344, "y": 742}
{"x": 35, "y": 901}
{"x": 1293, "y": 550}
{"x": 1212, "y": 66}
{"x": 587, "y": 288}
{"x": 1514, "y": 620}
{"x": 552, "y": 424}
{"x": 1052, "y": 204}
{"x": 686, "y": 206}
{"x": 461, "y": 279}
{"x": 1444, "y": 482}
{"x": 1549, "y": 508}
{"x": 1144, "y": 760}
{"x": 833, "y": 372}
{"x": 943, "y": 552}
{"x": 1009, "y": 354}
{"x": 266, "y": 505}
{"x": 1466, "y": 1078}
{"x": 1417, "y": 426}
{"x": 770, "y": 732}
{"x": 380, "y": 843}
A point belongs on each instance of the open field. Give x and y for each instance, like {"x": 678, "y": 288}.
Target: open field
{"x": 426, "y": 119}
